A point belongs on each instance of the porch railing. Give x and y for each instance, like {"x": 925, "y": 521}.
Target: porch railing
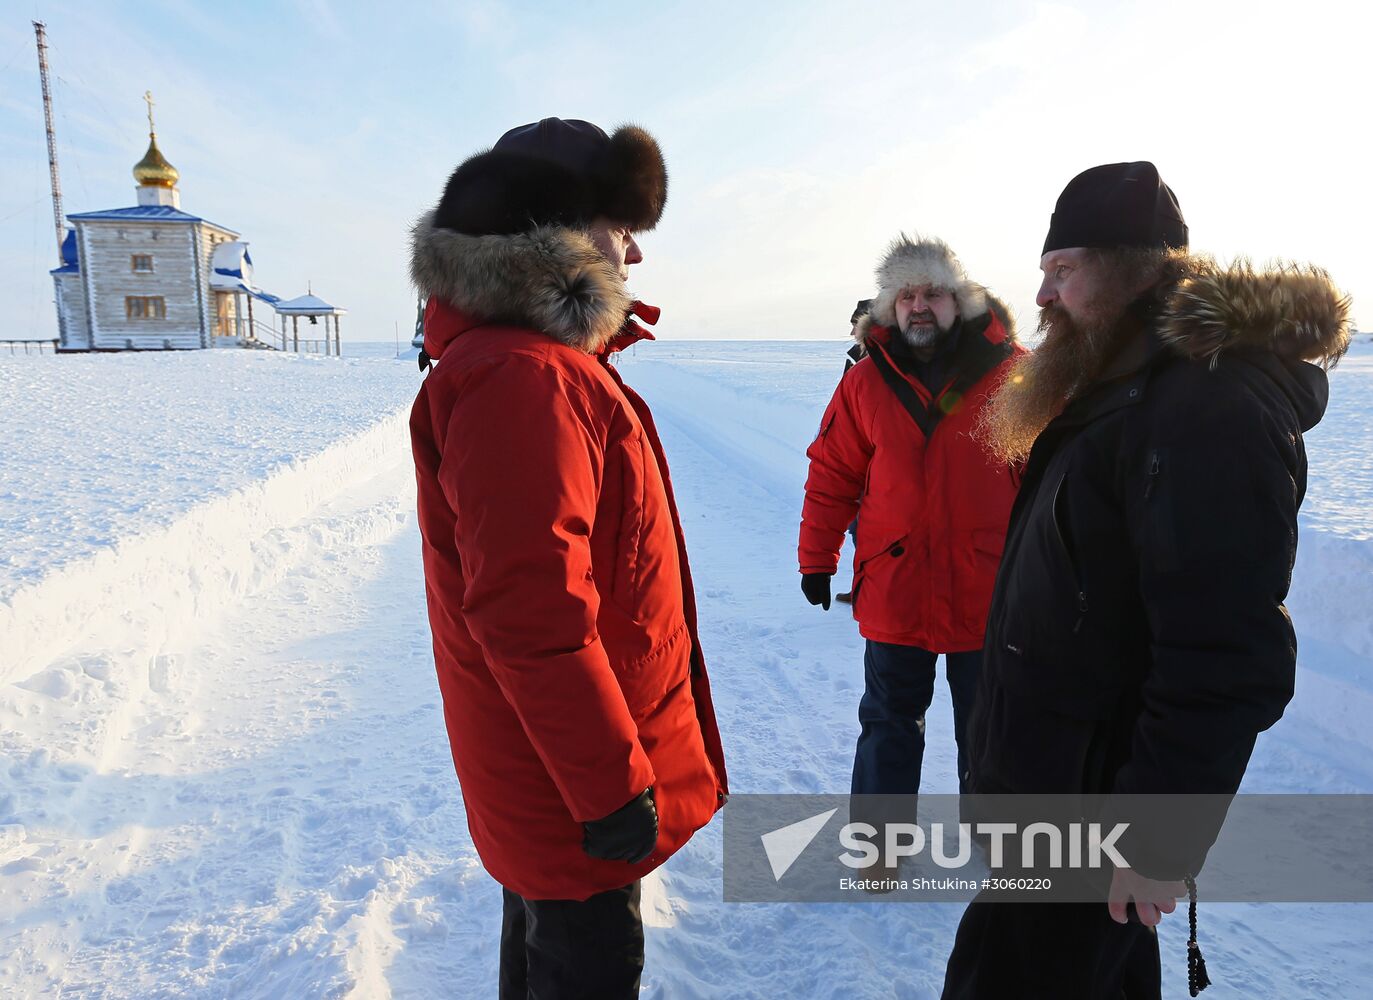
{"x": 30, "y": 346}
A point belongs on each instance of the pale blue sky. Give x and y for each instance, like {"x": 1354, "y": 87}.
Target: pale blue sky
{"x": 800, "y": 137}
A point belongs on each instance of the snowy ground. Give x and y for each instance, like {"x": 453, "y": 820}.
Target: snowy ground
{"x": 100, "y": 447}
{"x": 223, "y": 770}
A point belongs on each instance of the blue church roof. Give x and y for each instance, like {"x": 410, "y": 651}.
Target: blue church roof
{"x": 148, "y": 213}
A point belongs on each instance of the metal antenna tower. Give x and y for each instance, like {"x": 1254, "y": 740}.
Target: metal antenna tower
{"x": 58, "y": 227}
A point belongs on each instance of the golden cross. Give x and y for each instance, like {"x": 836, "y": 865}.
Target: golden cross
{"x": 148, "y": 96}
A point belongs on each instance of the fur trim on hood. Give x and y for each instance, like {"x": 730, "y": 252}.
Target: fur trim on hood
{"x": 909, "y": 262}
{"x": 550, "y": 278}
{"x": 1293, "y": 310}
{"x": 989, "y": 304}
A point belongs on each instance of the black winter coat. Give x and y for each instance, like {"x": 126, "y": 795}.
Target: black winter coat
{"x": 1137, "y": 640}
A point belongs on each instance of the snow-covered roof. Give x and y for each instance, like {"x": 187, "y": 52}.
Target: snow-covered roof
{"x": 146, "y": 213}
{"x": 231, "y": 269}
{"x": 308, "y": 305}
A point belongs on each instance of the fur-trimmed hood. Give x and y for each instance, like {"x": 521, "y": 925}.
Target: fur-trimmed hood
{"x": 550, "y": 278}
{"x": 986, "y": 303}
{"x": 923, "y": 261}
{"x": 1292, "y": 310}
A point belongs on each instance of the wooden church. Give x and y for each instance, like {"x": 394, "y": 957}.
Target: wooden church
{"x": 152, "y": 277}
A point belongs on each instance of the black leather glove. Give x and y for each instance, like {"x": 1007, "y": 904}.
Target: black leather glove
{"x": 628, "y": 834}
{"x": 816, "y": 587}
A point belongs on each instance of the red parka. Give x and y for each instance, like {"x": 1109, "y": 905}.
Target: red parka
{"x": 559, "y": 596}
{"x": 933, "y": 511}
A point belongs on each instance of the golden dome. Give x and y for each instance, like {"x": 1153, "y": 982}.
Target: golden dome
{"x": 154, "y": 170}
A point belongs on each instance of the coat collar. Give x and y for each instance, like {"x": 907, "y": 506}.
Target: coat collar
{"x": 549, "y": 279}
{"x": 445, "y": 322}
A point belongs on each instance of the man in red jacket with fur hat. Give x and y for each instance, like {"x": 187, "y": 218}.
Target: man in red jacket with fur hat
{"x": 897, "y": 434}
{"x": 561, "y": 605}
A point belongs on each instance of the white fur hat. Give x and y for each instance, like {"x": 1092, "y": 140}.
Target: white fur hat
{"x": 920, "y": 261}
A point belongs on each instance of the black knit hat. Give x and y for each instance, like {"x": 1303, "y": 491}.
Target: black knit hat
{"x": 557, "y": 172}
{"x": 859, "y": 311}
{"x": 1117, "y": 205}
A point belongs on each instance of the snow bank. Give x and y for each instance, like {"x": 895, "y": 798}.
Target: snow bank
{"x": 1332, "y": 590}
{"x": 215, "y": 553}
{"x": 157, "y": 480}
{"x": 99, "y": 447}
{"x": 1339, "y": 492}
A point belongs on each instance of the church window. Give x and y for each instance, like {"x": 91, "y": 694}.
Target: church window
{"x": 143, "y": 263}
{"x": 145, "y": 307}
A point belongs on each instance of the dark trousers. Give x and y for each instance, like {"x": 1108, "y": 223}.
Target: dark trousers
{"x": 1050, "y": 951}
{"x": 898, "y": 686}
{"x": 562, "y": 949}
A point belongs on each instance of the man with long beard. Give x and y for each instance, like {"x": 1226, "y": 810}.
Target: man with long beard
{"x": 1137, "y": 642}
{"x": 898, "y": 435}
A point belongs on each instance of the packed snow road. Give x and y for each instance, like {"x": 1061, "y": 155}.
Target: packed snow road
{"x": 241, "y": 787}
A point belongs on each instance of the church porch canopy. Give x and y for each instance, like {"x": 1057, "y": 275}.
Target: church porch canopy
{"x": 312, "y": 306}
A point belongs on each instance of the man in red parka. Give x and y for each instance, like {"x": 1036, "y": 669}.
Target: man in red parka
{"x": 564, "y": 623}
{"x": 897, "y": 434}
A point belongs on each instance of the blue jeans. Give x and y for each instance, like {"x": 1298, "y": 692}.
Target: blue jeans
{"x": 898, "y": 688}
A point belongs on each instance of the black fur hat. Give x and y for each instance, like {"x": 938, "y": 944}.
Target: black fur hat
{"x": 557, "y": 173}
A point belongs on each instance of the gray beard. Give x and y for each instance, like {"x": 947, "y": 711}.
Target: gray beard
{"x": 923, "y": 337}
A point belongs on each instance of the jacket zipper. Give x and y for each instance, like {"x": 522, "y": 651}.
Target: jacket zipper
{"x": 1163, "y": 543}
{"x": 1078, "y": 582}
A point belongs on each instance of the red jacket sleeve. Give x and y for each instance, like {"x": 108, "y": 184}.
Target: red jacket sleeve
{"x": 521, "y": 468}
{"x": 839, "y": 458}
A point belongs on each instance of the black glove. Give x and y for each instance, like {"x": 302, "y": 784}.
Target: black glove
{"x": 816, "y": 587}
{"x": 628, "y": 834}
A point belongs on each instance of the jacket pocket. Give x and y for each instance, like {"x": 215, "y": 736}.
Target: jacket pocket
{"x": 1060, "y": 688}
{"x": 989, "y": 541}
{"x": 645, "y": 681}
{"x": 1056, "y": 651}
{"x": 877, "y": 565}
{"x": 624, "y": 589}
{"x": 1161, "y": 514}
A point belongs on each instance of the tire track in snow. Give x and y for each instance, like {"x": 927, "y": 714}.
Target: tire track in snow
{"x": 786, "y": 679}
